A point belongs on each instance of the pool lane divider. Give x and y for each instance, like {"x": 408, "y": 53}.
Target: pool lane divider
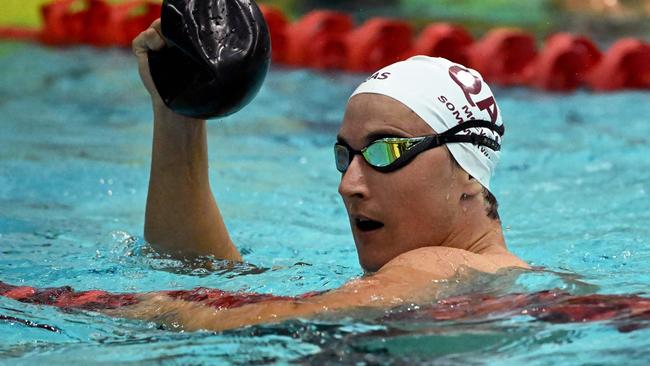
{"x": 329, "y": 40}
{"x": 98, "y": 23}
{"x": 626, "y": 312}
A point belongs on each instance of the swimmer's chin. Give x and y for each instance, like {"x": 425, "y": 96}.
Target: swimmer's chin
{"x": 371, "y": 265}
{"x": 370, "y": 255}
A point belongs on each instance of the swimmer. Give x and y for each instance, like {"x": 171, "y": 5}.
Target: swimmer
{"x": 415, "y": 185}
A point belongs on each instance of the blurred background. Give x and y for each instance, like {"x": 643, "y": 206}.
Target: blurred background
{"x": 605, "y": 20}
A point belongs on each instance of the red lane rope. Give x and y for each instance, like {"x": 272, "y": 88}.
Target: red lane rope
{"x": 325, "y": 39}
{"x": 626, "y": 312}
{"x": 66, "y": 297}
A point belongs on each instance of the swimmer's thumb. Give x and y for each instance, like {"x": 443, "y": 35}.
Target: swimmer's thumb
{"x": 149, "y": 40}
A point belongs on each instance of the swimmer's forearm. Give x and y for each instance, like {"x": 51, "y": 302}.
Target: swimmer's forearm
{"x": 187, "y": 314}
{"x": 191, "y": 316}
{"x": 182, "y": 216}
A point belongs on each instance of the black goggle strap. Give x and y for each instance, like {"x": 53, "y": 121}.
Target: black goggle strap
{"x": 475, "y": 123}
{"x": 433, "y": 141}
{"x": 448, "y": 136}
{"x": 451, "y": 134}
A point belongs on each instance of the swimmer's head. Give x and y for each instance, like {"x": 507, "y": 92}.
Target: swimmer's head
{"x": 433, "y": 199}
{"x": 444, "y": 94}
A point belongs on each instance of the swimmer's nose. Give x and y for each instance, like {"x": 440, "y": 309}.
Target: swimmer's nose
{"x": 353, "y": 183}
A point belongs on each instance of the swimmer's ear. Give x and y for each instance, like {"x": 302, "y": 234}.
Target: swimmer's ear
{"x": 471, "y": 187}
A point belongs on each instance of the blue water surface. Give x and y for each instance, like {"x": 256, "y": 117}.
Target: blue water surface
{"x": 75, "y": 142}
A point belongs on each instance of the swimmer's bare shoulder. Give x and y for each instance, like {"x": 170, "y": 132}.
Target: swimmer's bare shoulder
{"x": 444, "y": 262}
{"x": 409, "y": 278}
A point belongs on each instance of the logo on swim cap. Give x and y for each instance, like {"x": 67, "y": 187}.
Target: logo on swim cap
{"x": 472, "y": 85}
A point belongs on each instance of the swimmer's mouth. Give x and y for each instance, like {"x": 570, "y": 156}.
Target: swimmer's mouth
{"x": 364, "y": 224}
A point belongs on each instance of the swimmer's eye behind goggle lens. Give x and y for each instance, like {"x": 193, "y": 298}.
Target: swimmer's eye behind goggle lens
{"x": 389, "y": 154}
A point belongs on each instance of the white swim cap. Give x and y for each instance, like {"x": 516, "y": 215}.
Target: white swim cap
{"x": 444, "y": 94}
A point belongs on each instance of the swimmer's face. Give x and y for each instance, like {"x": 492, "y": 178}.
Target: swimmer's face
{"x": 415, "y": 206}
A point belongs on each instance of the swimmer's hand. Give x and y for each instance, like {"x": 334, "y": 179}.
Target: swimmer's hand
{"x": 149, "y": 40}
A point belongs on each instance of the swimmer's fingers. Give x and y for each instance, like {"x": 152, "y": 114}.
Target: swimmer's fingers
{"x": 149, "y": 40}
{"x": 156, "y": 25}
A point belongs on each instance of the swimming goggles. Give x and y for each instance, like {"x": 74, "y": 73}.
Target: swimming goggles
{"x": 391, "y": 153}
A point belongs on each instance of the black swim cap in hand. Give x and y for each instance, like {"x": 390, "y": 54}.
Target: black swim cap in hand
{"x": 217, "y": 56}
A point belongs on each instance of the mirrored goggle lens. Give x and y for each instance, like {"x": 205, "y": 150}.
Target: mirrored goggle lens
{"x": 342, "y": 157}
{"x": 384, "y": 152}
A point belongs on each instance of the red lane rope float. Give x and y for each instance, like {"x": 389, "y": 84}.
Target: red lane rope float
{"x": 627, "y": 313}
{"x": 624, "y": 66}
{"x": 503, "y": 56}
{"x": 277, "y": 23}
{"x": 228, "y": 300}
{"x": 325, "y": 39}
{"x": 564, "y": 62}
{"x": 55, "y": 30}
{"x": 377, "y": 43}
{"x": 66, "y": 297}
{"x": 443, "y": 40}
{"x": 125, "y": 21}
{"x": 100, "y": 23}
{"x": 318, "y": 40}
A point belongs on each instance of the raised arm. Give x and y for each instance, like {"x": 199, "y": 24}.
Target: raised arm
{"x": 182, "y": 217}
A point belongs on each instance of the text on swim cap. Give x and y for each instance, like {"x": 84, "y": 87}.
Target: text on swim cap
{"x": 379, "y": 76}
{"x": 456, "y": 112}
{"x": 471, "y": 86}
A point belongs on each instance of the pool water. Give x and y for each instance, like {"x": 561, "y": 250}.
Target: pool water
{"x": 75, "y": 144}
